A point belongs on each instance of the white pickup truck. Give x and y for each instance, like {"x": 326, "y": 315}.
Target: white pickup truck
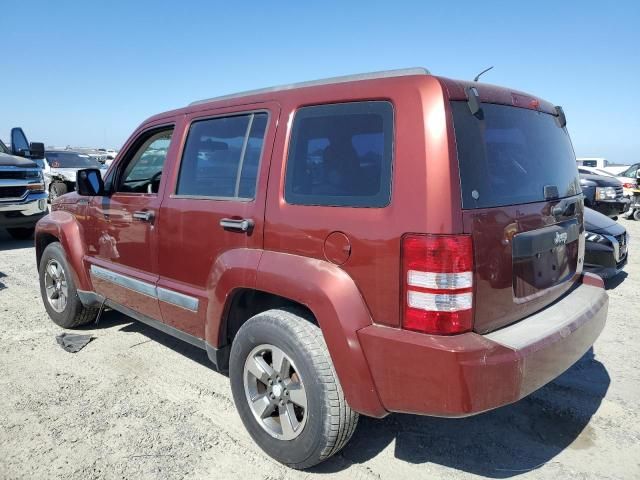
{"x": 23, "y": 198}
{"x": 61, "y": 166}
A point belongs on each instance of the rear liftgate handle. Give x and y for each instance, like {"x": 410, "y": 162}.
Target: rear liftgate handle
{"x": 244, "y": 225}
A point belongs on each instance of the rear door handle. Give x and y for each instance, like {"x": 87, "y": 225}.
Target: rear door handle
{"x": 242, "y": 225}
{"x": 145, "y": 216}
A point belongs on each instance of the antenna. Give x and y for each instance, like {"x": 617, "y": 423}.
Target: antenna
{"x": 482, "y": 73}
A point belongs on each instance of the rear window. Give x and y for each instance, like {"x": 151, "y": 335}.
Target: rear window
{"x": 510, "y": 155}
{"x": 340, "y": 155}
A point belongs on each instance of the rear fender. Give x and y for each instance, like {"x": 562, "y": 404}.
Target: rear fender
{"x": 66, "y": 229}
{"x": 340, "y": 310}
{"x": 234, "y": 269}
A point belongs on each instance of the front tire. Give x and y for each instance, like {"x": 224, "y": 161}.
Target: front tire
{"x": 286, "y": 390}
{"x": 636, "y": 214}
{"x": 56, "y": 189}
{"x": 59, "y": 292}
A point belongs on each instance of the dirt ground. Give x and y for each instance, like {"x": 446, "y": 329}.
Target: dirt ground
{"x": 136, "y": 403}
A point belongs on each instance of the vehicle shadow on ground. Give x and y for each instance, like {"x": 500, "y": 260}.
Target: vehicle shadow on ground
{"x": 497, "y": 444}
{"x": 7, "y": 243}
{"x": 112, "y": 318}
{"x": 109, "y": 318}
{"x": 611, "y": 283}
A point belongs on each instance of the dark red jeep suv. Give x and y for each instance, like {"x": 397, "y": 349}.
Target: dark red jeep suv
{"x": 389, "y": 242}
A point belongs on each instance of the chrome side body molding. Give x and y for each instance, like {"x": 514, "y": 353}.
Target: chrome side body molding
{"x": 163, "y": 294}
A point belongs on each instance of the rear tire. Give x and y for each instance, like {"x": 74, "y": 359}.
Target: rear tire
{"x": 59, "y": 292}
{"x": 636, "y": 214}
{"x": 21, "y": 233}
{"x": 325, "y": 423}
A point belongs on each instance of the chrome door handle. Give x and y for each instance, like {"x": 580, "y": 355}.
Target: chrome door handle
{"x": 145, "y": 216}
{"x": 242, "y": 225}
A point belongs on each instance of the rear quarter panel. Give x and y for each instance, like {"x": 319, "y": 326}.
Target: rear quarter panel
{"x": 425, "y": 190}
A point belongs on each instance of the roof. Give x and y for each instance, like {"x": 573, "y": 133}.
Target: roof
{"x": 325, "y": 81}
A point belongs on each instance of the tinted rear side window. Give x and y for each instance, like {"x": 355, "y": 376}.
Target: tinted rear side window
{"x": 341, "y": 155}
{"x": 510, "y": 155}
{"x": 222, "y": 156}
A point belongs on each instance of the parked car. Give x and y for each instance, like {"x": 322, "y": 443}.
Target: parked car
{"x": 628, "y": 184}
{"x": 391, "y": 242}
{"x": 616, "y": 169}
{"x": 632, "y": 173}
{"x": 110, "y": 155}
{"x": 61, "y": 167}
{"x": 634, "y": 206}
{"x": 604, "y": 194}
{"x": 23, "y": 198}
{"x": 592, "y": 162}
{"x": 606, "y": 249}
{"x": 100, "y": 157}
{"x": 109, "y": 152}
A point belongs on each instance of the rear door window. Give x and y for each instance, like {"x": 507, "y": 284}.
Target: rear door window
{"x": 222, "y": 156}
{"x": 341, "y": 155}
{"x": 510, "y": 155}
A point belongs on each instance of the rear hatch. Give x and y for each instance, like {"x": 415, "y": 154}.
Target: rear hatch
{"x": 523, "y": 207}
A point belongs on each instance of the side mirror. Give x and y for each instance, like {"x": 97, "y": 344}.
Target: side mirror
{"x": 89, "y": 182}
{"x": 37, "y": 150}
{"x": 19, "y": 143}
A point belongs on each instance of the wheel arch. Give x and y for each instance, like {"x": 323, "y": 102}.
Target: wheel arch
{"x": 322, "y": 292}
{"x": 61, "y": 226}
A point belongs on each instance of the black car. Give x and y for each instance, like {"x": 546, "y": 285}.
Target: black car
{"x": 603, "y": 194}
{"x": 606, "y": 244}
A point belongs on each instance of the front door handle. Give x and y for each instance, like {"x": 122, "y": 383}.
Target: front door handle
{"x": 145, "y": 216}
{"x": 242, "y": 225}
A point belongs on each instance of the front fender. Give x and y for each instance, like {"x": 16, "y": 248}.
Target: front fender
{"x": 331, "y": 294}
{"x": 66, "y": 229}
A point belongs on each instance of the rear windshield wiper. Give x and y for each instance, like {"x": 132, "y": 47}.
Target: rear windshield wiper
{"x": 473, "y": 101}
{"x": 561, "y": 118}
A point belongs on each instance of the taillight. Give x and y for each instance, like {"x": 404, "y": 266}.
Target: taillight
{"x": 437, "y": 272}
{"x": 629, "y": 185}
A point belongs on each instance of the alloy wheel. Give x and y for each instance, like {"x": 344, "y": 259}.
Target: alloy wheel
{"x": 275, "y": 392}
{"x": 55, "y": 283}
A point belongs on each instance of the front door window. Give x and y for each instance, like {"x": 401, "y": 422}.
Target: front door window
{"x": 144, "y": 171}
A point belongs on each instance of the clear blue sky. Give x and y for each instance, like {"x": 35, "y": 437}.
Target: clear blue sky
{"x": 87, "y": 73}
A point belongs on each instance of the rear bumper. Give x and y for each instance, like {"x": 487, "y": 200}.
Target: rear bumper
{"x": 470, "y": 373}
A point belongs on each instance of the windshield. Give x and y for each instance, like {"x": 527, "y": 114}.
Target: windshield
{"x": 70, "y": 160}
{"x": 4, "y": 149}
{"x": 510, "y": 155}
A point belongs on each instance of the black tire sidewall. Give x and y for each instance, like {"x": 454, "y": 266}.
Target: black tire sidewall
{"x": 58, "y": 189}
{"x": 263, "y": 330}
{"x": 66, "y": 317}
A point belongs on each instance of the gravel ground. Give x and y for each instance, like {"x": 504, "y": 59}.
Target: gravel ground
{"x": 136, "y": 403}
